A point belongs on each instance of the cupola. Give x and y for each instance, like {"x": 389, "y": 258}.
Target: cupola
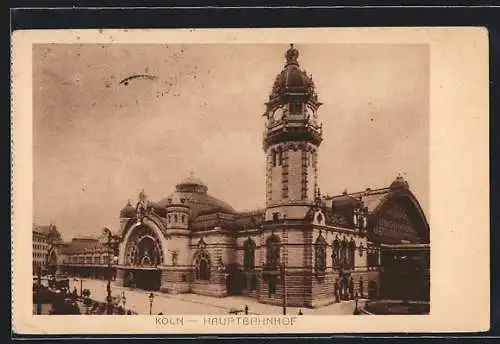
{"x": 128, "y": 211}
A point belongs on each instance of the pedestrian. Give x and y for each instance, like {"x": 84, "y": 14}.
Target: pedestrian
{"x": 351, "y": 288}
{"x": 246, "y": 309}
{"x": 300, "y": 312}
{"x": 336, "y": 291}
{"x": 361, "y": 287}
{"x": 160, "y": 313}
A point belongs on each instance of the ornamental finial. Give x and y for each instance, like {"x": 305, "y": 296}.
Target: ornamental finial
{"x": 142, "y": 195}
{"x": 291, "y": 55}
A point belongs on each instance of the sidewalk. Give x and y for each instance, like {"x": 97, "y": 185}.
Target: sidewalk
{"x": 138, "y": 300}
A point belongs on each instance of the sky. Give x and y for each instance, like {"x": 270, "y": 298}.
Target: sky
{"x": 98, "y": 142}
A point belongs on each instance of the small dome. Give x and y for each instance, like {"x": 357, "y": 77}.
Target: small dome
{"x": 191, "y": 184}
{"x": 192, "y": 192}
{"x": 399, "y": 182}
{"x": 128, "y": 211}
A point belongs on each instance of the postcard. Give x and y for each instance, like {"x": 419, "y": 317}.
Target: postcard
{"x": 316, "y": 180}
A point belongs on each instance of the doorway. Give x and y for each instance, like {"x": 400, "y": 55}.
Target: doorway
{"x": 149, "y": 280}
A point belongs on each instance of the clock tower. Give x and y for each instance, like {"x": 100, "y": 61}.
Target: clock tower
{"x": 292, "y": 138}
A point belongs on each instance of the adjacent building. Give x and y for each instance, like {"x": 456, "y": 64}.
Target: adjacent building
{"x": 42, "y": 238}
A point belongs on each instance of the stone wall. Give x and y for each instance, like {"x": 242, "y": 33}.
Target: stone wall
{"x": 175, "y": 280}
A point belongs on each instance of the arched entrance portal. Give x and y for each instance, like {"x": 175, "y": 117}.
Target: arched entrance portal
{"x": 373, "y": 290}
{"x": 143, "y": 256}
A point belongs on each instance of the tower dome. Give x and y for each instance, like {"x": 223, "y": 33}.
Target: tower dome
{"x": 292, "y": 82}
{"x": 128, "y": 211}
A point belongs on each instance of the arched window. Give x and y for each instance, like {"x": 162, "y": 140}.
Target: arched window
{"x": 175, "y": 218}
{"x": 352, "y": 253}
{"x": 202, "y": 266}
{"x": 272, "y": 252}
{"x": 343, "y": 252}
{"x": 253, "y": 283}
{"x": 271, "y": 287}
{"x": 249, "y": 255}
{"x": 273, "y": 157}
{"x": 295, "y": 108}
{"x": 280, "y": 156}
{"x": 319, "y": 218}
{"x": 320, "y": 256}
{"x": 204, "y": 271}
{"x": 335, "y": 253}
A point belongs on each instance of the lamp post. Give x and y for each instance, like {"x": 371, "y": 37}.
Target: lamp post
{"x": 38, "y": 290}
{"x": 81, "y": 285}
{"x": 151, "y": 298}
{"x": 124, "y": 299}
{"x": 283, "y": 283}
{"x": 111, "y": 259}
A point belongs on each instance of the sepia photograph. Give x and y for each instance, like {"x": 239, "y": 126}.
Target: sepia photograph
{"x": 272, "y": 180}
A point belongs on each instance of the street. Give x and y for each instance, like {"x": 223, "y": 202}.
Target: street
{"x": 138, "y": 301}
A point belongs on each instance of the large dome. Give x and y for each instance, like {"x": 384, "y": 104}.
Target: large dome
{"x": 194, "y": 191}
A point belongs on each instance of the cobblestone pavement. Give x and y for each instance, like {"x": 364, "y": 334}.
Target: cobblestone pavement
{"x": 138, "y": 301}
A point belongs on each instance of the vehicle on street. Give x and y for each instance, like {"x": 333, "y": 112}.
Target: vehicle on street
{"x": 59, "y": 281}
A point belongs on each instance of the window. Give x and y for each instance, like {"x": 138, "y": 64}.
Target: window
{"x": 319, "y": 218}
{"x": 273, "y": 157}
{"x": 271, "y": 287}
{"x": 352, "y": 250}
{"x": 202, "y": 266}
{"x": 335, "y": 253}
{"x": 343, "y": 252}
{"x": 253, "y": 283}
{"x": 272, "y": 252}
{"x": 280, "y": 156}
{"x": 320, "y": 256}
{"x": 249, "y": 255}
{"x": 175, "y": 218}
{"x": 276, "y": 216}
{"x": 295, "y": 108}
